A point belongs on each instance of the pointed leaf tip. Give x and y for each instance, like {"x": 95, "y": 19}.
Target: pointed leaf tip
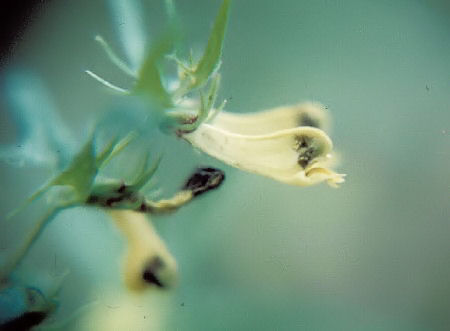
{"x": 211, "y": 58}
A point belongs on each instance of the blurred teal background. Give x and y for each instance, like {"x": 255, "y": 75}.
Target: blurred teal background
{"x": 257, "y": 254}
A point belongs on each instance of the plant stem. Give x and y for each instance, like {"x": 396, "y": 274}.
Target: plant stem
{"x": 34, "y": 234}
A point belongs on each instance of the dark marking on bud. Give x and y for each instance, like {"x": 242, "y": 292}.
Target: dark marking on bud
{"x": 204, "y": 179}
{"x": 150, "y": 273}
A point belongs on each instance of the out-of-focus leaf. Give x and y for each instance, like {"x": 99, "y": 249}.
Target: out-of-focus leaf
{"x": 171, "y": 12}
{"x": 44, "y": 139}
{"x": 129, "y": 25}
{"x": 149, "y": 81}
{"x": 210, "y": 60}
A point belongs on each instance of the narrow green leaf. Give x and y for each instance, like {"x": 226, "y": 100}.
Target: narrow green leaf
{"x": 215, "y": 111}
{"x": 29, "y": 200}
{"x": 149, "y": 81}
{"x": 122, "y": 144}
{"x": 141, "y": 167}
{"x": 145, "y": 175}
{"x": 105, "y": 154}
{"x": 113, "y": 148}
{"x": 210, "y": 60}
{"x": 114, "y": 58}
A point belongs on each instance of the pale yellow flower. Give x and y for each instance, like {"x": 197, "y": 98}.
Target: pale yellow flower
{"x": 297, "y": 155}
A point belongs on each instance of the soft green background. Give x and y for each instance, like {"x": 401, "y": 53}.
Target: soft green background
{"x": 257, "y": 254}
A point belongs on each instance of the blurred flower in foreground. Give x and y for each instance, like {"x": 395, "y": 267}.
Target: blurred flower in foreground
{"x": 288, "y": 144}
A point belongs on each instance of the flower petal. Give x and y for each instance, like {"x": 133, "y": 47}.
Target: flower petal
{"x": 275, "y": 119}
{"x": 295, "y": 156}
